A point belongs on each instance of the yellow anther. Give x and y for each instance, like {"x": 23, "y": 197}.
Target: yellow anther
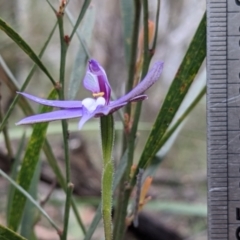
{"x": 100, "y": 94}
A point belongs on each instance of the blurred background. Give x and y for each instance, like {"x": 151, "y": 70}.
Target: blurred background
{"x": 179, "y": 186}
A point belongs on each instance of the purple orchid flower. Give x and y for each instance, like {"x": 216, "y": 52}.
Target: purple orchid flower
{"x": 95, "y": 81}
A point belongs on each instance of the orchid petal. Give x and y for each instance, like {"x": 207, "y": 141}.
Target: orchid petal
{"x": 105, "y": 110}
{"x": 152, "y": 76}
{"x": 91, "y": 104}
{"x": 86, "y": 115}
{"x": 53, "y": 103}
{"x": 90, "y": 82}
{"x": 115, "y": 108}
{"x": 96, "y": 80}
{"x": 138, "y": 98}
{"x": 52, "y": 116}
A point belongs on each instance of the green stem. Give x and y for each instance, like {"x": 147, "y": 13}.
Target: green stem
{"x": 67, "y": 209}
{"x": 53, "y": 164}
{"x": 64, "y": 46}
{"x": 107, "y": 135}
{"x": 131, "y": 72}
{"x": 118, "y": 175}
{"x": 156, "y": 26}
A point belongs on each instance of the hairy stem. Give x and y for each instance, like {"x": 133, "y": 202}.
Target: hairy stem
{"x": 107, "y": 136}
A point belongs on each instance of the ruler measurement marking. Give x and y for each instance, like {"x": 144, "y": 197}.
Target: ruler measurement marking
{"x": 218, "y": 64}
{"x": 216, "y": 37}
{"x": 218, "y": 50}
{"x": 218, "y": 31}
{"x": 223, "y": 91}
{"x": 233, "y": 11}
{"x": 218, "y": 21}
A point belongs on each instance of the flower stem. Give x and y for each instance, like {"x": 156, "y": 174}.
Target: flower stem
{"x": 107, "y": 136}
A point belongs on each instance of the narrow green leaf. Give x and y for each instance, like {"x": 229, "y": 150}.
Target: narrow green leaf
{"x": 172, "y": 129}
{"x": 156, "y": 161}
{"x": 28, "y": 167}
{"x": 127, "y": 10}
{"x": 14, "y": 172}
{"x": 107, "y": 136}
{"x": 8, "y": 234}
{"x": 79, "y": 66}
{"x": 186, "y": 73}
{"x": 24, "y": 46}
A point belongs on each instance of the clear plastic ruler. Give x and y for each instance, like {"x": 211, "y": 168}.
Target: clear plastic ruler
{"x": 223, "y": 117}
